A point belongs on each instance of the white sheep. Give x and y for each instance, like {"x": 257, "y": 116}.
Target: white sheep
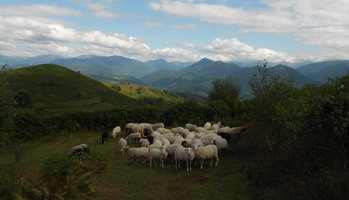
{"x": 206, "y": 152}
{"x": 122, "y": 144}
{"x": 171, "y": 149}
{"x": 156, "y": 141}
{"x": 79, "y": 148}
{"x": 158, "y": 125}
{"x": 170, "y": 136}
{"x": 207, "y": 126}
{"x": 133, "y": 136}
{"x": 137, "y": 152}
{"x": 200, "y": 129}
{"x": 144, "y": 142}
{"x": 165, "y": 141}
{"x": 157, "y": 154}
{"x": 222, "y": 145}
{"x": 184, "y": 154}
{"x": 163, "y": 130}
{"x": 154, "y": 146}
{"x": 179, "y": 130}
{"x": 190, "y": 127}
{"x": 197, "y": 142}
{"x": 116, "y": 130}
{"x": 155, "y": 134}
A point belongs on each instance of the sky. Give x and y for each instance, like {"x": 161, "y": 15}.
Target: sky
{"x": 292, "y": 31}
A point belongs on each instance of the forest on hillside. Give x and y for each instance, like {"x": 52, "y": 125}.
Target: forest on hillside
{"x": 298, "y": 142}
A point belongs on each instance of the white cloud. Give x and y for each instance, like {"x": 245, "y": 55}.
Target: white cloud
{"x": 37, "y": 10}
{"x": 32, "y": 32}
{"x": 106, "y": 14}
{"x": 178, "y": 27}
{"x": 176, "y": 54}
{"x": 321, "y": 23}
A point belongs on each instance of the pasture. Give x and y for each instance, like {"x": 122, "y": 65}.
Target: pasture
{"x": 123, "y": 180}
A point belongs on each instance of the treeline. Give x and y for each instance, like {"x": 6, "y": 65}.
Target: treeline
{"x": 31, "y": 125}
{"x": 301, "y": 138}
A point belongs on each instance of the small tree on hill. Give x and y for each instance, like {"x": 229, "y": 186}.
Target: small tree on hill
{"x": 224, "y": 88}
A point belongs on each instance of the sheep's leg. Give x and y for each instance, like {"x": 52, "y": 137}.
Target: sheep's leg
{"x": 202, "y": 164}
{"x": 150, "y": 162}
{"x": 162, "y": 164}
{"x": 187, "y": 165}
{"x": 211, "y": 161}
{"x": 155, "y": 163}
{"x": 217, "y": 159}
{"x": 134, "y": 160}
{"x": 145, "y": 160}
{"x": 175, "y": 163}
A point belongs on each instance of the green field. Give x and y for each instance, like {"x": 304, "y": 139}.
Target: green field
{"x": 122, "y": 180}
{"x": 54, "y": 89}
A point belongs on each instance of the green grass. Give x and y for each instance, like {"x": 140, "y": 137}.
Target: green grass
{"x": 123, "y": 180}
{"x": 131, "y": 90}
{"x": 58, "y": 88}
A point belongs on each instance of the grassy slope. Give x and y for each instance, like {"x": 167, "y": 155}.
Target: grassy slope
{"x": 130, "y": 90}
{"x": 55, "y": 87}
{"x": 122, "y": 180}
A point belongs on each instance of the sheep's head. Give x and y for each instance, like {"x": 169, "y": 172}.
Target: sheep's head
{"x": 184, "y": 143}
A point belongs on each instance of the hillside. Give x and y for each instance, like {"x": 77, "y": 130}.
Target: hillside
{"x": 55, "y": 88}
{"x": 139, "y": 91}
{"x": 196, "y": 79}
{"x": 323, "y": 70}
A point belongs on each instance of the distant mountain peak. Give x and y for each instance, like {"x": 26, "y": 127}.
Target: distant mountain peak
{"x": 204, "y": 61}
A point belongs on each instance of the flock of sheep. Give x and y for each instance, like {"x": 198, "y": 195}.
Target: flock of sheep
{"x": 154, "y": 142}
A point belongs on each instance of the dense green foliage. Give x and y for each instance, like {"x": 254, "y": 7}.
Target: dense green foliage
{"x": 224, "y": 88}
{"x": 305, "y": 138}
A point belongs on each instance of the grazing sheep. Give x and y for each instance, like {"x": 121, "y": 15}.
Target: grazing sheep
{"x": 206, "y": 152}
{"x": 200, "y": 129}
{"x": 144, "y": 142}
{"x": 79, "y": 148}
{"x": 165, "y": 141}
{"x": 140, "y": 152}
{"x": 157, "y": 154}
{"x": 154, "y": 146}
{"x": 157, "y": 142}
{"x": 134, "y": 137}
{"x": 149, "y": 138}
{"x": 122, "y": 144}
{"x": 169, "y": 136}
{"x": 179, "y": 130}
{"x": 237, "y": 131}
{"x": 158, "y": 125}
{"x": 222, "y": 145}
{"x": 147, "y": 128}
{"x": 105, "y": 136}
{"x": 207, "y": 126}
{"x": 184, "y": 154}
{"x": 116, "y": 130}
{"x": 197, "y": 142}
{"x": 171, "y": 149}
{"x": 190, "y": 127}
{"x": 155, "y": 134}
{"x": 163, "y": 130}
{"x": 216, "y": 126}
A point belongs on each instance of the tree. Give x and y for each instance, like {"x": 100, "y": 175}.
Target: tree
{"x": 224, "y": 88}
{"x": 6, "y": 108}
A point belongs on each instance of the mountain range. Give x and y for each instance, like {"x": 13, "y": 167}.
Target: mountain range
{"x": 181, "y": 77}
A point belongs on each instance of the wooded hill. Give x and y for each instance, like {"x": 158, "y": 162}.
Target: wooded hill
{"x": 50, "y": 87}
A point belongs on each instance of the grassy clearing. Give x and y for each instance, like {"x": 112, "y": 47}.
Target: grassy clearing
{"x": 122, "y": 180}
{"x": 137, "y": 91}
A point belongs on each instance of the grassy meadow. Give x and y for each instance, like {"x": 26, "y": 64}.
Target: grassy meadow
{"x": 124, "y": 180}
